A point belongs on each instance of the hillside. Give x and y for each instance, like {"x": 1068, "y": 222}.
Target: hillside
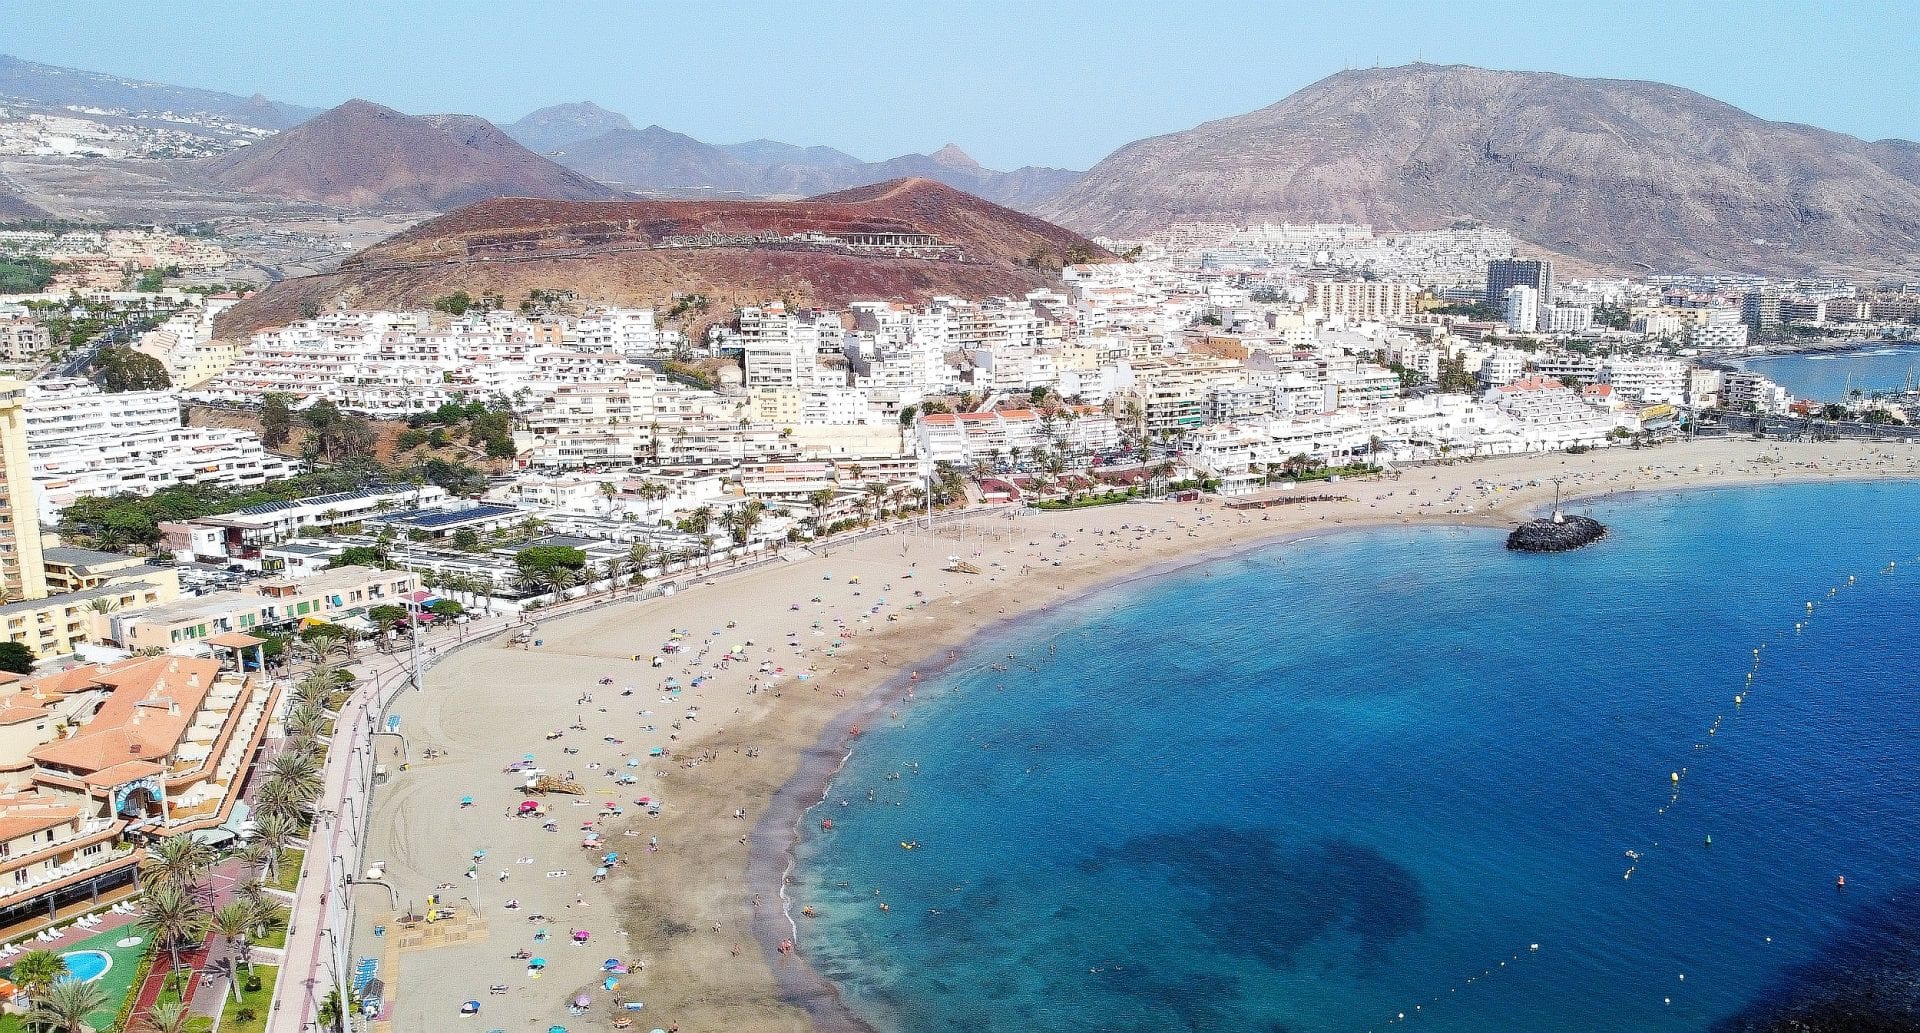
{"x": 1625, "y": 173}
{"x": 733, "y": 252}
{"x": 361, "y": 155}
{"x": 55, "y": 87}
{"x": 14, "y": 208}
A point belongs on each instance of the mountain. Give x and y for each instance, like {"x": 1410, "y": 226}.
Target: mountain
{"x": 1632, "y": 174}
{"x": 361, "y": 155}
{"x": 773, "y": 152}
{"x": 644, "y": 253}
{"x": 658, "y": 162}
{"x": 52, "y": 86}
{"x": 552, "y": 128}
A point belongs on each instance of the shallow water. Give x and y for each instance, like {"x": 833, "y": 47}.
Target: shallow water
{"x": 1327, "y": 784}
{"x": 1828, "y": 377}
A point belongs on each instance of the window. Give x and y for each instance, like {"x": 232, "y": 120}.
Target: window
{"x": 89, "y": 851}
{"x": 22, "y": 877}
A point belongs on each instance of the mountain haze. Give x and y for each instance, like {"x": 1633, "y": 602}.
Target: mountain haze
{"x": 362, "y": 155}
{"x": 551, "y": 128}
{"x": 54, "y": 86}
{"x": 658, "y": 162}
{"x": 1632, "y": 174}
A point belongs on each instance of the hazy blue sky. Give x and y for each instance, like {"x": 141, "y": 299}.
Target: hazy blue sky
{"x": 1054, "y": 82}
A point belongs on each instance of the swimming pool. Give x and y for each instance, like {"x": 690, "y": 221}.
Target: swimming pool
{"x": 86, "y": 966}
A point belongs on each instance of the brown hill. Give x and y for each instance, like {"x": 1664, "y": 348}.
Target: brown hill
{"x": 734, "y": 252}
{"x": 1623, "y": 173}
{"x": 362, "y": 155}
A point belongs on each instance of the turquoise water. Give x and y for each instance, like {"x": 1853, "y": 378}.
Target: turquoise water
{"x": 86, "y": 966}
{"x": 1327, "y": 784}
{"x": 1827, "y": 378}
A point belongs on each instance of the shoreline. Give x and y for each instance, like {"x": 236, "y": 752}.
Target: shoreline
{"x": 776, "y": 753}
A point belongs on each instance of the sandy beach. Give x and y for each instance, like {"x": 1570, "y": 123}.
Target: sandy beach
{"x": 774, "y": 670}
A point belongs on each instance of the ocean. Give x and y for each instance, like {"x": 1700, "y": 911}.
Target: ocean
{"x": 1828, "y": 376}
{"x": 1402, "y": 777}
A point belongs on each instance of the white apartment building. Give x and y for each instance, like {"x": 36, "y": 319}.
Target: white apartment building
{"x": 83, "y": 442}
{"x": 1647, "y": 381}
{"x": 1566, "y": 319}
{"x": 1550, "y": 417}
{"x": 1362, "y": 300}
{"x": 1522, "y": 309}
{"x": 1744, "y": 391}
{"x": 965, "y": 438}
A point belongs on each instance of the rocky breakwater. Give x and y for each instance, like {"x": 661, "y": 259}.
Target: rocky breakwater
{"x": 1556, "y": 533}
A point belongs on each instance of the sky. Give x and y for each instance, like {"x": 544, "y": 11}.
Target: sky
{"x": 1047, "y": 82}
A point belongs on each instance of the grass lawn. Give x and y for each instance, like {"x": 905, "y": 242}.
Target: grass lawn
{"x": 289, "y": 873}
{"x": 257, "y": 1001}
{"x": 276, "y": 937}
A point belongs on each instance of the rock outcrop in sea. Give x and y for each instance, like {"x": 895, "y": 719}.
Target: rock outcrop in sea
{"x": 1556, "y": 533}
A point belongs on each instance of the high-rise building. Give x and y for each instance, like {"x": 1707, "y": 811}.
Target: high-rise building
{"x": 23, "y": 574}
{"x": 1504, "y": 273}
{"x": 1521, "y": 305}
{"x": 1760, "y": 311}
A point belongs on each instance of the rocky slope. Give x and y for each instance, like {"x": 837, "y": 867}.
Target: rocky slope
{"x": 364, "y": 156}
{"x": 612, "y": 251}
{"x": 1634, "y": 174}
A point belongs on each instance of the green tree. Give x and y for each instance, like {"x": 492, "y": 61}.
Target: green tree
{"x": 233, "y": 922}
{"x": 65, "y": 1007}
{"x": 123, "y": 369}
{"x": 456, "y": 303}
{"x": 276, "y": 420}
{"x": 16, "y": 657}
{"x": 36, "y": 971}
{"x": 173, "y": 916}
{"x": 466, "y": 539}
{"x": 169, "y": 1015}
{"x": 359, "y": 556}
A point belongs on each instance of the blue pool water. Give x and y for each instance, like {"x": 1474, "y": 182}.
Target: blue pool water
{"x": 87, "y": 966}
{"x": 1326, "y": 784}
{"x": 1828, "y": 377}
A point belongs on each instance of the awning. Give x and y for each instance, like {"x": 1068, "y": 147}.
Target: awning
{"x": 238, "y": 817}
{"x": 214, "y": 837}
{"x": 360, "y": 624}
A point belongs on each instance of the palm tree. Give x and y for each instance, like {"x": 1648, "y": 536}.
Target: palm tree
{"x": 561, "y": 579}
{"x": 332, "y": 1015}
{"x": 749, "y": 517}
{"x": 168, "y": 1016}
{"x": 306, "y": 723}
{"x": 609, "y": 491}
{"x": 65, "y": 1006}
{"x": 233, "y": 922}
{"x": 274, "y": 831}
{"x": 266, "y": 915}
{"x": 819, "y": 500}
{"x": 36, "y": 971}
{"x": 612, "y": 568}
{"x": 172, "y": 915}
{"x": 178, "y": 861}
{"x": 300, "y": 770}
{"x": 254, "y": 857}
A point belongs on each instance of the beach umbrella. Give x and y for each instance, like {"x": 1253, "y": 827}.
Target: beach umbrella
{"x": 610, "y": 983}
{"x": 582, "y": 1001}
{"x": 610, "y": 964}
{"x": 537, "y": 963}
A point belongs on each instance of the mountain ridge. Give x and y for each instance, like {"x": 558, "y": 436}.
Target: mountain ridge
{"x": 1623, "y": 172}
{"x": 363, "y": 155}
{"x": 56, "y": 86}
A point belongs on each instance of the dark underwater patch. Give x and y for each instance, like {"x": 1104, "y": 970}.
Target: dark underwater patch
{"x": 1268, "y": 900}
{"x": 1866, "y": 978}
